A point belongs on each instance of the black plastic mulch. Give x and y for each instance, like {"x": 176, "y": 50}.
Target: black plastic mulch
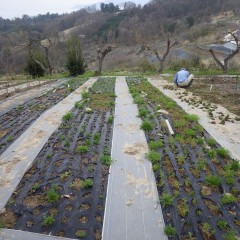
{"x": 16, "y": 121}
{"x": 60, "y": 167}
{"x": 193, "y": 215}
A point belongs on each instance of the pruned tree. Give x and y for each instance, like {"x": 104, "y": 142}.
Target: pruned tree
{"x": 101, "y": 54}
{"x": 161, "y": 58}
{"x": 234, "y": 38}
{"x": 47, "y": 45}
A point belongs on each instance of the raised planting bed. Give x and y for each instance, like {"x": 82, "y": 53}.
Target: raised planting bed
{"x": 198, "y": 183}
{"x": 64, "y": 191}
{"x": 16, "y": 121}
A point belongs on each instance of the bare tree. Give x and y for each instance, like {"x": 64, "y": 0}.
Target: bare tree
{"x": 46, "y": 45}
{"x": 154, "y": 49}
{"x": 101, "y": 54}
{"x": 224, "y": 65}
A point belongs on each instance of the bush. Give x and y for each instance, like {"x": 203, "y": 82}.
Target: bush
{"x": 75, "y": 61}
{"x": 33, "y": 68}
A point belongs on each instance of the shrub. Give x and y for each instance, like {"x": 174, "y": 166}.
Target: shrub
{"x": 75, "y": 61}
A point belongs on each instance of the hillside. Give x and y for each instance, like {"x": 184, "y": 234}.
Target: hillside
{"x": 190, "y": 22}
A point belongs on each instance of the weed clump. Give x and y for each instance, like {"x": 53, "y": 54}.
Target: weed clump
{"x": 166, "y": 200}
{"x": 170, "y": 231}
{"x": 67, "y": 117}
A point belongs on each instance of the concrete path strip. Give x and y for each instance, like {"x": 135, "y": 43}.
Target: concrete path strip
{"x": 9, "y": 234}
{"x": 132, "y": 211}
{"x": 8, "y": 104}
{"x": 16, "y": 160}
{"x": 228, "y": 135}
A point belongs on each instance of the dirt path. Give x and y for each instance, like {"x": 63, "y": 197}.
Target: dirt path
{"x": 226, "y": 133}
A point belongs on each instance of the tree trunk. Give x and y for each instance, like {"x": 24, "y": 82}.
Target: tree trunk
{"x": 100, "y": 63}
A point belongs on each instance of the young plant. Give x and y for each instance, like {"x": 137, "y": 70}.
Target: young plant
{"x": 212, "y": 180}
{"x": 191, "y": 117}
{"x": 231, "y": 235}
{"x": 166, "y": 200}
{"x": 155, "y": 144}
{"x": 228, "y": 198}
{"x": 68, "y": 116}
{"x": 82, "y": 149}
{"x": 106, "y": 159}
{"x": 87, "y": 183}
{"x": 221, "y": 224}
{"x": 222, "y": 152}
{"x": 153, "y": 157}
{"x": 146, "y": 126}
{"x": 110, "y": 119}
{"x": 170, "y": 231}
{"x": 211, "y": 141}
{"x": 81, "y": 233}
{"x": 48, "y": 221}
{"x": 52, "y": 195}
{"x": 79, "y": 105}
{"x": 183, "y": 208}
{"x": 143, "y": 113}
{"x": 96, "y": 138}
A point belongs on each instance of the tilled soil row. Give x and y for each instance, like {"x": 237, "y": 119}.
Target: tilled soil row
{"x": 197, "y": 181}
{"x": 16, "y": 121}
{"x": 66, "y": 185}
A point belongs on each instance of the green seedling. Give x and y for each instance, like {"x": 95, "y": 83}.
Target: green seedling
{"x": 96, "y": 138}
{"x": 153, "y": 145}
{"x": 85, "y": 95}
{"x": 67, "y": 117}
{"x": 87, "y": 183}
{"x": 81, "y": 233}
{"x": 106, "y": 159}
{"x": 191, "y": 117}
{"x": 67, "y": 143}
{"x": 182, "y": 207}
{"x": 221, "y": 224}
{"x": 9, "y": 139}
{"x": 211, "y": 141}
{"x": 82, "y": 149}
{"x": 206, "y": 229}
{"x": 153, "y": 157}
{"x": 228, "y": 198}
{"x": 189, "y": 132}
{"x": 52, "y": 196}
{"x": 166, "y": 200}
{"x": 65, "y": 175}
{"x": 49, "y": 155}
{"x": 170, "y": 231}
{"x": 146, "y": 126}
{"x": 79, "y": 105}
{"x": 212, "y": 180}
{"x": 211, "y": 153}
{"x": 48, "y": 221}
{"x": 231, "y": 235}
{"x": 110, "y": 119}
{"x": 143, "y": 113}
{"x": 156, "y": 167}
{"x": 222, "y": 152}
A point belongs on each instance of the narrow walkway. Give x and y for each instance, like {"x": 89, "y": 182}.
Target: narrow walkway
{"x": 132, "y": 211}
{"x": 15, "y": 161}
{"x": 228, "y": 135}
{"x": 23, "y": 86}
{"x": 9, "y": 103}
{"x": 9, "y": 234}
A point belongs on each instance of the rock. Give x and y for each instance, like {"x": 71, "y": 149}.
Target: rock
{"x": 88, "y": 110}
{"x": 206, "y": 191}
{"x": 163, "y": 111}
